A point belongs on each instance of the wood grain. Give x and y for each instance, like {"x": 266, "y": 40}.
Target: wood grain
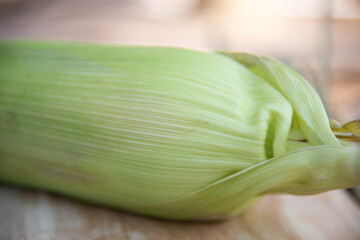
{"x": 31, "y": 215}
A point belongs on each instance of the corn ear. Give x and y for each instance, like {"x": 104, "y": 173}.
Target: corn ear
{"x": 164, "y": 132}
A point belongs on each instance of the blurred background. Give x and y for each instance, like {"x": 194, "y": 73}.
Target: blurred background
{"x": 319, "y": 38}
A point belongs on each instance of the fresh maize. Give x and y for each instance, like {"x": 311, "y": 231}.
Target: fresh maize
{"x": 166, "y": 132}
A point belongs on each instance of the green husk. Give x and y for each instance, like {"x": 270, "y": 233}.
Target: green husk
{"x": 165, "y": 132}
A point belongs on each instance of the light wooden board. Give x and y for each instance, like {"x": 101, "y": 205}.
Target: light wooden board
{"x": 31, "y": 215}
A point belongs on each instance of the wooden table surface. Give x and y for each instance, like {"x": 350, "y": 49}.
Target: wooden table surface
{"x": 31, "y": 215}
